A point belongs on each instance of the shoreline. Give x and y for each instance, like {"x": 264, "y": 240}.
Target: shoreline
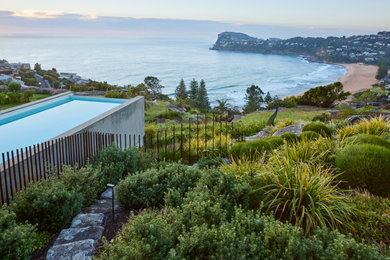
{"x": 358, "y": 77}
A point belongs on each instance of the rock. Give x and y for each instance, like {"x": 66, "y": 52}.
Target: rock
{"x": 72, "y": 251}
{"x": 176, "y": 108}
{"x": 102, "y": 206}
{"x": 357, "y": 118}
{"x": 260, "y": 135}
{"x": 107, "y": 194}
{"x": 76, "y": 234}
{"x": 295, "y": 129}
{"x": 88, "y": 220}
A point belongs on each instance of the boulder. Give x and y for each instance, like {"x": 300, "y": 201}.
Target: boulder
{"x": 72, "y": 251}
{"x": 176, "y": 108}
{"x": 356, "y": 119}
{"x": 88, "y": 220}
{"x": 260, "y": 135}
{"x": 77, "y": 234}
{"x": 295, "y": 129}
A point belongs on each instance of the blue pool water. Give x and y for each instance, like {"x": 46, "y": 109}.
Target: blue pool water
{"x": 39, "y": 123}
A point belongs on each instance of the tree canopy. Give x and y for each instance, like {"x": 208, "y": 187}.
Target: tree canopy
{"x": 194, "y": 89}
{"x": 254, "y": 98}
{"x": 382, "y": 69}
{"x": 202, "y": 97}
{"x": 153, "y": 85}
{"x": 324, "y": 96}
{"x": 181, "y": 91}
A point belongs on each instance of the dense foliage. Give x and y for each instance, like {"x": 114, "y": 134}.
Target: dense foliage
{"x": 365, "y": 166}
{"x": 46, "y": 203}
{"x": 318, "y": 127}
{"x": 16, "y": 240}
{"x": 323, "y": 96}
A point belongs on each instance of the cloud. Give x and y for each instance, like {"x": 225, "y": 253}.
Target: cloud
{"x": 64, "y": 24}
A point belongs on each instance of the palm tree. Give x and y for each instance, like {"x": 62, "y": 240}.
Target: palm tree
{"x": 222, "y": 106}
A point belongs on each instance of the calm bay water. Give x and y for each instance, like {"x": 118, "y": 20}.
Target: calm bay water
{"x": 125, "y": 61}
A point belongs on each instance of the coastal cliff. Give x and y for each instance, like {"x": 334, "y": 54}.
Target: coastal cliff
{"x": 368, "y": 49}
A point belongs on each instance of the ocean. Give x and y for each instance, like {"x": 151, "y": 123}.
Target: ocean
{"x": 127, "y": 60}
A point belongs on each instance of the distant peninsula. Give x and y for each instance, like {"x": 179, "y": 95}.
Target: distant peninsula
{"x": 367, "y": 49}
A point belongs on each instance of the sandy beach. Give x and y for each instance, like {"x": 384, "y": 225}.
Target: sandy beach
{"x": 358, "y": 77}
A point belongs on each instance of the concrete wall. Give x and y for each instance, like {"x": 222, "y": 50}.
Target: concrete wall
{"x": 127, "y": 118}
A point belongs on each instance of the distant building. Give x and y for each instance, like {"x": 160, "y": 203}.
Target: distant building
{"x": 20, "y": 65}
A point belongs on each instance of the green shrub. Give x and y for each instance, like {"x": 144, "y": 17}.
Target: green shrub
{"x": 319, "y": 152}
{"x": 309, "y": 135}
{"x": 368, "y": 139}
{"x": 14, "y": 86}
{"x": 4, "y": 100}
{"x": 206, "y": 163}
{"x": 236, "y": 149}
{"x": 365, "y": 166}
{"x": 305, "y": 195}
{"x": 255, "y": 148}
{"x": 46, "y": 203}
{"x": 86, "y": 181}
{"x": 116, "y": 163}
{"x": 14, "y": 97}
{"x": 371, "y": 220}
{"x": 324, "y": 117}
{"x": 27, "y": 95}
{"x": 374, "y": 126}
{"x": 115, "y": 94}
{"x": 386, "y": 137}
{"x": 248, "y": 235}
{"x": 274, "y": 141}
{"x": 148, "y": 188}
{"x": 16, "y": 240}
{"x": 290, "y": 137}
{"x": 318, "y": 127}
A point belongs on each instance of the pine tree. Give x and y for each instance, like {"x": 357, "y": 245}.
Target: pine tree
{"x": 253, "y": 99}
{"x": 203, "y": 99}
{"x": 181, "y": 91}
{"x": 268, "y": 98}
{"x": 194, "y": 89}
{"x": 382, "y": 69}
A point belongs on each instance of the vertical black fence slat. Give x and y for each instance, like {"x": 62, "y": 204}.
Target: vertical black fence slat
{"x": 197, "y": 137}
{"x": 40, "y": 161}
{"x": 139, "y": 142}
{"x": 189, "y": 140}
{"x": 213, "y": 131}
{"x": 19, "y": 171}
{"x": 31, "y": 164}
{"x": 174, "y": 144}
{"x": 44, "y": 158}
{"x": 14, "y": 170}
{"x": 205, "y": 133}
{"x": 144, "y": 142}
{"x": 226, "y": 124}
{"x": 28, "y": 166}
{"x": 10, "y": 175}
{"x": 58, "y": 158}
{"x": 6, "y": 195}
{"x": 166, "y": 142}
{"x": 37, "y": 170}
{"x": 181, "y": 139}
{"x": 23, "y": 168}
{"x": 158, "y": 145}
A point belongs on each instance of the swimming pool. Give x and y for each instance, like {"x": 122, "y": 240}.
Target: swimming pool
{"x": 42, "y": 121}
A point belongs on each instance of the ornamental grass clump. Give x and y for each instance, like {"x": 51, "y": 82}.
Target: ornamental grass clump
{"x": 254, "y": 149}
{"x": 309, "y": 135}
{"x": 274, "y": 141}
{"x": 365, "y": 166}
{"x": 306, "y": 195}
{"x": 373, "y": 126}
{"x": 368, "y": 139}
{"x": 319, "y": 128}
{"x": 290, "y": 137}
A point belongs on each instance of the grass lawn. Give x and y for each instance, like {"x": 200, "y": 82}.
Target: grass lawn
{"x": 294, "y": 114}
{"x": 34, "y": 98}
{"x": 154, "y": 111}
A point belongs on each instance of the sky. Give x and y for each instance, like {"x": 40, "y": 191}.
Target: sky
{"x": 278, "y": 17}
